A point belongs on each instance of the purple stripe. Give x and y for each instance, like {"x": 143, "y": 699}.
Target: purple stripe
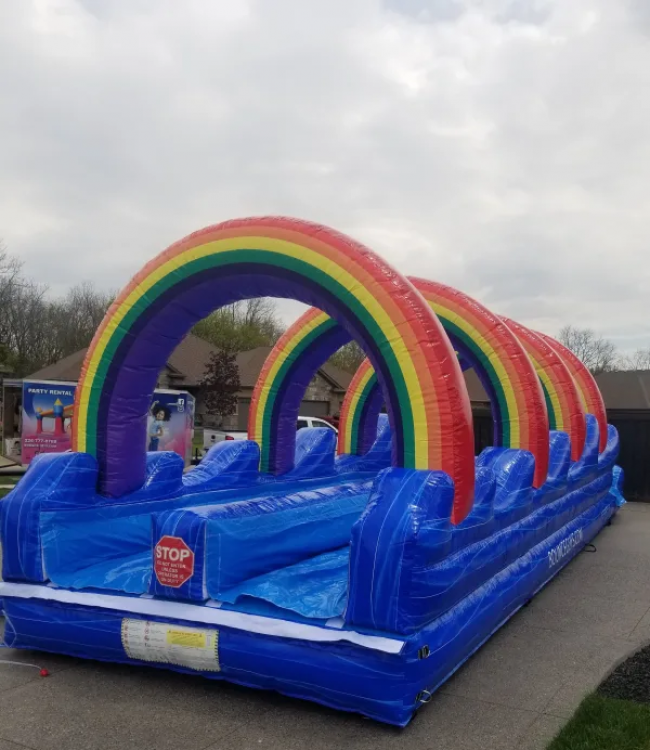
{"x": 368, "y": 421}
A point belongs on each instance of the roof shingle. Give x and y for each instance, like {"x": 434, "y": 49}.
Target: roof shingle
{"x": 187, "y": 363}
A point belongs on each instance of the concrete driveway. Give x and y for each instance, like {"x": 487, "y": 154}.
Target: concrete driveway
{"x": 515, "y": 693}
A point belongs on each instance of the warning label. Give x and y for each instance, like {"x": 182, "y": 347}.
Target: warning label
{"x": 186, "y": 638}
{"x": 173, "y": 562}
{"x": 194, "y": 648}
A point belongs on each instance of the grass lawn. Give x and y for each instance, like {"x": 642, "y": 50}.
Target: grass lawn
{"x": 12, "y": 481}
{"x": 606, "y": 724}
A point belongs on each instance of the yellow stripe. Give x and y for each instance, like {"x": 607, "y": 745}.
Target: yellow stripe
{"x": 552, "y": 392}
{"x": 86, "y": 386}
{"x": 497, "y": 364}
{"x": 582, "y": 393}
{"x": 265, "y": 388}
{"x": 297, "y": 252}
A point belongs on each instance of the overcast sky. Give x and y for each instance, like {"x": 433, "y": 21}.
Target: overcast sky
{"x": 501, "y": 146}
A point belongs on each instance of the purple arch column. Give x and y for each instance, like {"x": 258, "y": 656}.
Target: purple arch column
{"x": 146, "y": 348}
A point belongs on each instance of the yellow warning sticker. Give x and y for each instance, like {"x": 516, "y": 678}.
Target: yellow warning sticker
{"x": 186, "y": 638}
{"x": 194, "y": 648}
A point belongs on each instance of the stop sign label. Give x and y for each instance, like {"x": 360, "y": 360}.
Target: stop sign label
{"x": 173, "y": 562}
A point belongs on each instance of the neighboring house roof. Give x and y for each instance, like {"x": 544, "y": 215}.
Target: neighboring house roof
{"x": 187, "y": 363}
{"x": 629, "y": 389}
{"x": 250, "y": 364}
{"x": 68, "y": 368}
{"x": 340, "y": 378}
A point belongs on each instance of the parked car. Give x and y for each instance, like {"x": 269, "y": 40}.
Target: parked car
{"x": 315, "y": 422}
{"x": 334, "y": 421}
{"x": 210, "y": 437}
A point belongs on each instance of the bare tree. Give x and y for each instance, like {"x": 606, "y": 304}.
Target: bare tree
{"x": 36, "y": 331}
{"x": 75, "y": 318}
{"x": 10, "y": 268}
{"x": 348, "y": 357}
{"x": 640, "y": 360}
{"x": 21, "y": 313}
{"x": 597, "y": 352}
{"x": 27, "y": 328}
{"x": 10, "y": 281}
{"x": 242, "y": 325}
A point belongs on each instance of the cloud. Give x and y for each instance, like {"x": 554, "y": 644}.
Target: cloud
{"x": 500, "y": 146}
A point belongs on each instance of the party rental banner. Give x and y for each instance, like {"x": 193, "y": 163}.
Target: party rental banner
{"x": 48, "y": 411}
{"x": 47, "y": 416}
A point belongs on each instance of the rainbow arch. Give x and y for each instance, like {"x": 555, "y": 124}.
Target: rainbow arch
{"x": 592, "y": 398}
{"x": 297, "y": 354}
{"x": 505, "y": 371}
{"x": 566, "y": 400}
{"x": 358, "y": 418}
{"x": 286, "y": 258}
{"x": 563, "y": 402}
{"x": 484, "y": 342}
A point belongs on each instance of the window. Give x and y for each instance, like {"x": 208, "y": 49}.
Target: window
{"x": 302, "y": 423}
{"x": 323, "y": 423}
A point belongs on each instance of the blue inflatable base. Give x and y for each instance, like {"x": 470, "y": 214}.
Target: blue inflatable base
{"x": 383, "y": 676}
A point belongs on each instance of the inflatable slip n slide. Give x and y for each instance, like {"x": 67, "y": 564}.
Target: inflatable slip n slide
{"x": 360, "y": 574}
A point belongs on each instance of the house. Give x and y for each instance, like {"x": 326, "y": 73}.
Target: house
{"x": 186, "y": 367}
{"x": 323, "y": 397}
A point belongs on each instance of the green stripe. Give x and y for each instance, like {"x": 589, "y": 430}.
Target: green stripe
{"x": 491, "y": 373}
{"x": 552, "y": 417}
{"x": 267, "y": 258}
{"x": 279, "y": 382}
{"x": 355, "y": 437}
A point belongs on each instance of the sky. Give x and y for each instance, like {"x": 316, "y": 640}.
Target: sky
{"x": 500, "y": 146}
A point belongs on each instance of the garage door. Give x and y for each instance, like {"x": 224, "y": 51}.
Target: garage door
{"x": 314, "y": 408}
